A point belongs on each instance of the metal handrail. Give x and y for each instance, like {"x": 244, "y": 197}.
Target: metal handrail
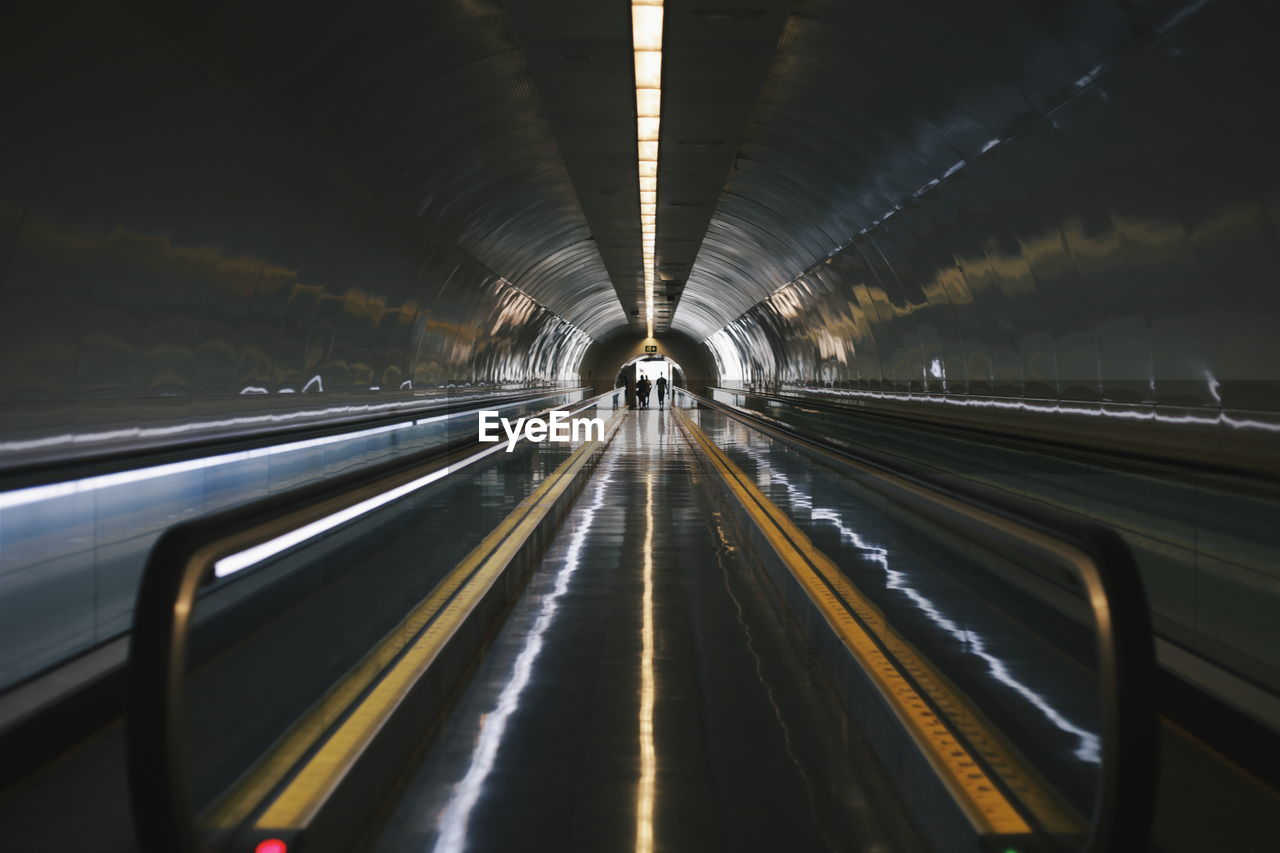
{"x": 159, "y": 646}
{"x": 1113, "y": 590}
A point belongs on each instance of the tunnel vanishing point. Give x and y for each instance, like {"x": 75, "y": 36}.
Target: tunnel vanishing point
{"x": 953, "y": 526}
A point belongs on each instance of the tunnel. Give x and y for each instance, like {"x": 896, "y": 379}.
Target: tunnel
{"x": 639, "y": 425}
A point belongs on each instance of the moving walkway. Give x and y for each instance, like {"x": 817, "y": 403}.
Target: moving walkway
{"x": 688, "y": 634}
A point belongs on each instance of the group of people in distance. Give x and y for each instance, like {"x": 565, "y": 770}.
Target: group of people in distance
{"x": 644, "y": 386}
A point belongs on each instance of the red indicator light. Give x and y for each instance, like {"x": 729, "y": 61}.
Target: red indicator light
{"x": 271, "y": 845}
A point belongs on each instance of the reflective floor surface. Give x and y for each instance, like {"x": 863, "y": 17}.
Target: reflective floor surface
{"x": 644, "y": 694}
{"x": 1027, "y": 665}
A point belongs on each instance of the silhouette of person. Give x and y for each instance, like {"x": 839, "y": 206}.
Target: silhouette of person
{"x": 662, "y": 390}
{"x": 642, "y": 390}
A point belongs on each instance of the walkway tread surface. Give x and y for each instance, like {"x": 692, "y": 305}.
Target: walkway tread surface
{"x": 543, "y": 750}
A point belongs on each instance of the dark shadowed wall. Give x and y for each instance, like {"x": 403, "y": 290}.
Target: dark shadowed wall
{"x": 199, "y": 235}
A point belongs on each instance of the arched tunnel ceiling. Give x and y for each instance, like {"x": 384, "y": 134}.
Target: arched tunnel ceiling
{"x": 430, "y": 107}
{"x": 864, "y": 109}
{"x": 789, "y": 128}
{"x": 715, "y": 56}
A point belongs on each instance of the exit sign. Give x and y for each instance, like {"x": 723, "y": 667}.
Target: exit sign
{"x": 651, "y": 348}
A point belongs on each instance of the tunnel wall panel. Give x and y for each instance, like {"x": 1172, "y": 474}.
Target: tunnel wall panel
{"x": 178, "y": 262}
{"x": 431, "y": 108}
{"x": 1109, "y": 274}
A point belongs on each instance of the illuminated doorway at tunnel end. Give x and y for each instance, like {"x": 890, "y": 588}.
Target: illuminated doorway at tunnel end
{"x": 652, "y": 365}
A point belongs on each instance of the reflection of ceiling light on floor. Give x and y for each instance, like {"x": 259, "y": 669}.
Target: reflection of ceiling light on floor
{"x": 646, "y": 37}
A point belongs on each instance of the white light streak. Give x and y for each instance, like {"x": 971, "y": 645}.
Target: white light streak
{"x": 251, "y": 556}
{"x": 35, "y": 494}
{"x": 1089, "y": 77}
{"x": 456, "y": 816}
{"x": 242, "y": 560}
{"x": 1089, "y": 745}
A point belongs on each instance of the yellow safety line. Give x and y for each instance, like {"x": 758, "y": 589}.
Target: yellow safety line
{"x": 477, "y": 571}
{"x": 646, "y": 789}
{"x": 985, "y": 804}
{"x": 235, "y": 806}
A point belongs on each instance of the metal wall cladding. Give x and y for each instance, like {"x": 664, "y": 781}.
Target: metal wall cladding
{"x": 172, "y": 253}
{"x": 1072, "y": 205}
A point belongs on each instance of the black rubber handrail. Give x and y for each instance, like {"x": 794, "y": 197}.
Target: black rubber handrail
{"x": 1125, "y": 806}
{"x": 178, "y": 566}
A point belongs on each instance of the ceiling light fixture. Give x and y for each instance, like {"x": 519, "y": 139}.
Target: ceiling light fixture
{"x": 646, "y": 38}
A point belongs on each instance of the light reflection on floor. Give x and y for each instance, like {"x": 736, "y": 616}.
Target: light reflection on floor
{"x": 1089, "y": 745}
{"x": 648, "y": 759}
{"x": 456, "y": 816}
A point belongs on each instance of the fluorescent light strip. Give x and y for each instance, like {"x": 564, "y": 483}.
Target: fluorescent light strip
{"x": 242, "y": 560}
{"x": 646, "y": 38}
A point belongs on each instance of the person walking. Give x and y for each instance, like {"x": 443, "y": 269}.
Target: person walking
{"x": 642, "y": 391}
{"x": 662, "y": 390}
